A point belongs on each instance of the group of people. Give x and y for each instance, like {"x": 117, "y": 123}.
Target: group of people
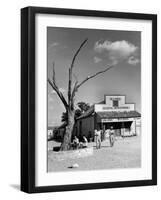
{"x": 97, "y": 134}
{"x": 76, "y": 144}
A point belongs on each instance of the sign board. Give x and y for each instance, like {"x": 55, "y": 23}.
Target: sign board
{"x": 104, "y": 108}
{"x": 117, "y": 120}
{"x": 114, "y": 103}
{"x": 109, "y": 120}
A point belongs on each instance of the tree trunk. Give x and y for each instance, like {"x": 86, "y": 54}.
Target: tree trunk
{"x": 68, "y": 132}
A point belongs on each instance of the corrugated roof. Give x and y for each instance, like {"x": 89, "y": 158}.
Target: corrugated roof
{"x": 114, "y": 114}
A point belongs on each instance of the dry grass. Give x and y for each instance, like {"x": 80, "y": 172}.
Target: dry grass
{"x": 126, "y": 153}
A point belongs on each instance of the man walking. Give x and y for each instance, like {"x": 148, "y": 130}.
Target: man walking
{"x": 111, "y": 136}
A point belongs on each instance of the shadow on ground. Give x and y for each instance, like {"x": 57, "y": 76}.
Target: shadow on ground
{"x": 103, "y": 146}
{"x": 15, "y": 186}
{"x": 56, "y": 148}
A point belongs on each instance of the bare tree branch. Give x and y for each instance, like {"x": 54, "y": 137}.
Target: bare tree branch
{"x": 92, "y": 76}
{"x": 69, "y": 87}
{"x": 73, "y": 93}
{"x": 75, "y": 55}
{"x": 70, "y": 101}
{"x": 54, "y": 80}
{"x": 59, "y": 93}
{"x": 56, "y": 89}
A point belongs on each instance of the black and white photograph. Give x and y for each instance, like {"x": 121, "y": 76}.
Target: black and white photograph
{"x": 93, "y": 99}
{"x": 89, "y": 91}
{"x": 79, "y": 113}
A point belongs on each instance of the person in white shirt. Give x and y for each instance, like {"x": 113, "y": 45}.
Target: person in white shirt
{"x": 106, "y": 134}
{"x": 111, "y": 136}
{"x": 85, "y": 141}
{"x": 76, "y": 143}
{"x": 98, "y": 138}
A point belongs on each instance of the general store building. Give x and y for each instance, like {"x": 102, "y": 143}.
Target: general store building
{"x": 112, "y": 112}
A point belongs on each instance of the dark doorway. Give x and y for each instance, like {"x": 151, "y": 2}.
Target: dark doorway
{"x": 80, "y": 128}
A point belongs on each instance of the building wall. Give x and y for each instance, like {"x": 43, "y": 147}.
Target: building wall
{"x": 108, "y": 100}
{"x": 85, "y": 127}
{"x": 138, "y": 126}
{"x": 50, "y": 134}
{"x": 88, "y": 125}
{"x": 114, "y": 103}
{"x": 133, "y": 128}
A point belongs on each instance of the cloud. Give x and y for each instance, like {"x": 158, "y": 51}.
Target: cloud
{"x": 133, "y": 61}
{"x": 54, "y": 44}
{"x": 97, "y": 59}
{"x": 117, "y": 50}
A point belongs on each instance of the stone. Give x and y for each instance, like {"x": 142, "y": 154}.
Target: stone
{"x": 75, "y": 165}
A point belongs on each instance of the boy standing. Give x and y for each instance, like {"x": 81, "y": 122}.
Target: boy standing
{"x": 98, "y": 138}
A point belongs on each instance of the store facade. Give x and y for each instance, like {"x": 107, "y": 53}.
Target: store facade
{"x": 112, "y": 112}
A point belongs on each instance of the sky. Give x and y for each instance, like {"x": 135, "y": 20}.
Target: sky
{"x": 122, "y": 49}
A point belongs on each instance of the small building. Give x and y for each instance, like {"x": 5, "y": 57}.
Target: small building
{"x": 55, "y": 131}
{"x": 50, "y": 132}
{"x": 112, "y": 112}
{"x": 61, "y": 130}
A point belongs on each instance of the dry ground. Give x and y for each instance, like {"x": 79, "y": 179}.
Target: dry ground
{"x": 126, "y": 153}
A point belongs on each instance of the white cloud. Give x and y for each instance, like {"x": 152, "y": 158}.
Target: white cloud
{"x": 54, "y": 44}
{"x": 117, "y": 50}
{"x": 133, "y": 61}
{"x": 97, "y": 59}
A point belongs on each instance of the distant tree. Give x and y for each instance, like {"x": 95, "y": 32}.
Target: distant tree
{"x": 78, "y": 113}
{"x": 64, "y": 117}
{"x": 82, "y": 107}
{"x": 72, "y": 89}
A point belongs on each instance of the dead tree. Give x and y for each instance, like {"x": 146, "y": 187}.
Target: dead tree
{"x": 72, "y": 89}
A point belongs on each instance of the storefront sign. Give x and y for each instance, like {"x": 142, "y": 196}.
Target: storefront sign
{"x": 109, "y": 120}
{"x": 104, "y": 107}
{"x": 115, "y": 98}
{"x": 117, "y": 120}
{"x": 114, "y": 108}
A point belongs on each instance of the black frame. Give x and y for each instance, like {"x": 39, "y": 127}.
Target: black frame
{"x": 28, "y": 98}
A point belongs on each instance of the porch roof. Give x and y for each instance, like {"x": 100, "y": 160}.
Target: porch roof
{"x": 114, "y": 114}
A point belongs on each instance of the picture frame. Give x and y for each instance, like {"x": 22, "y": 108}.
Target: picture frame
{"x": 29, "y": 51}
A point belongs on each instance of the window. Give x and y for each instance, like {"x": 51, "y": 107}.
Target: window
{"x": 115, "y": 103}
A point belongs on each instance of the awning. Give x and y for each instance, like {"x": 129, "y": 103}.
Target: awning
{"x": 102, "y": 116}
